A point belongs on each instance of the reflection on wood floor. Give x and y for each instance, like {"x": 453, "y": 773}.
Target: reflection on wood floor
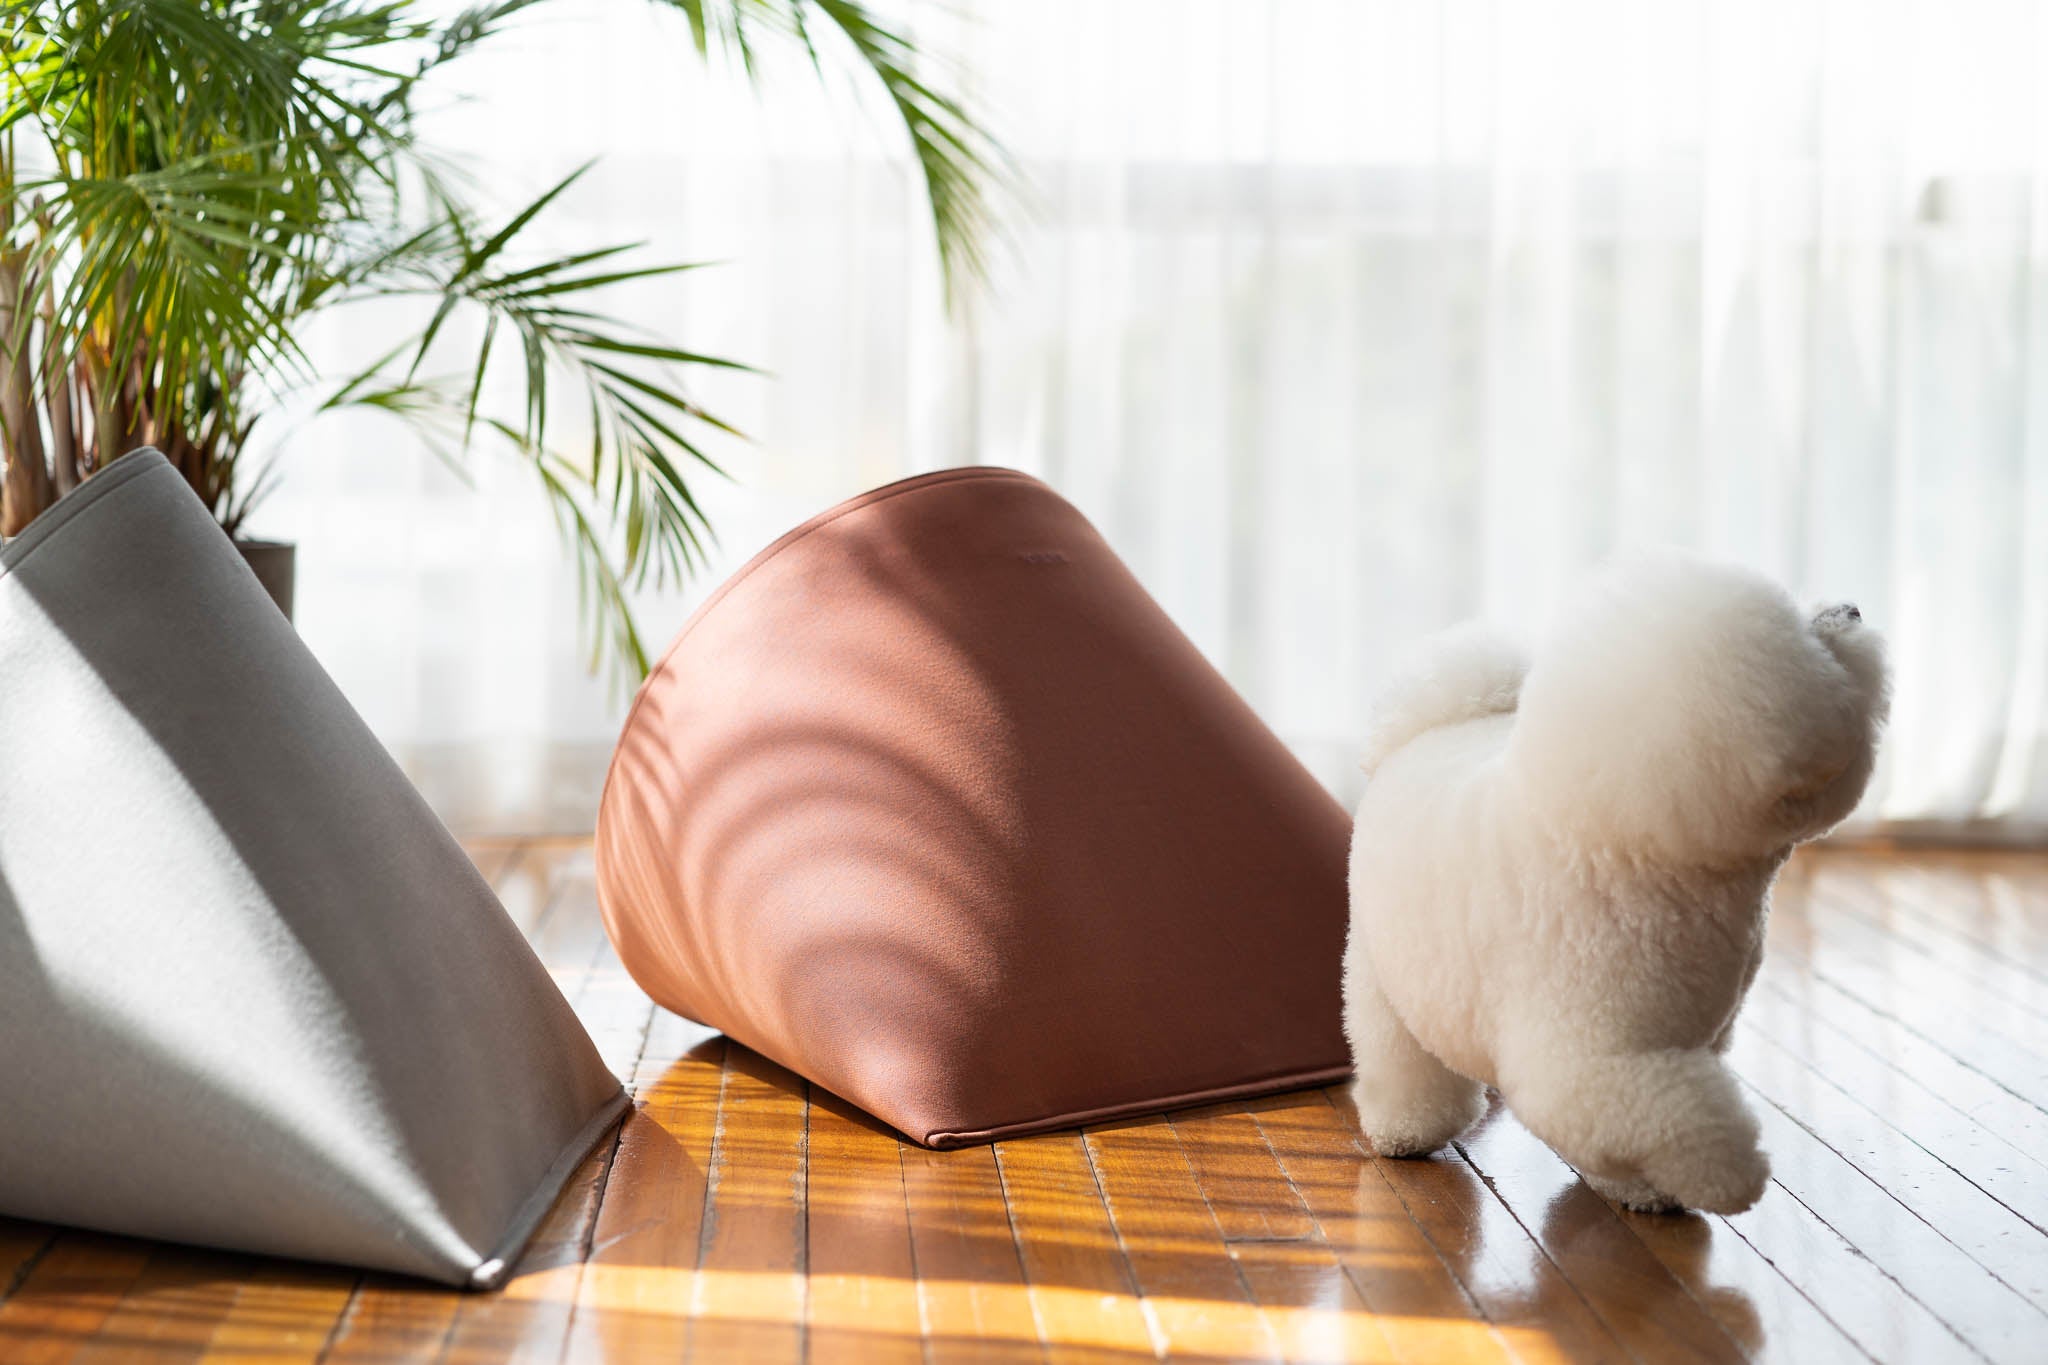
{"x": 1896, "y": 1048}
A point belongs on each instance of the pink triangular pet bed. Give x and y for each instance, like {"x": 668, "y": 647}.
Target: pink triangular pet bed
{"x": 932, "y": 804}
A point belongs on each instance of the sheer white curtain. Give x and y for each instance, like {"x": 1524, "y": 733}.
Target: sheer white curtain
{"x": 1344, "y": 320}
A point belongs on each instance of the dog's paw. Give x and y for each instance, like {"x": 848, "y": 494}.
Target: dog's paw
{"x": 1400, "y": 1144}
{"x": 1419, "y": 1123}
{"x": 1719, "y": 1179}
{"x": 1639, "y": 1195}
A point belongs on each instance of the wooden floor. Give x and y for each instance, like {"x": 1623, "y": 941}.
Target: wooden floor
{"x": 1896, "y": 1048}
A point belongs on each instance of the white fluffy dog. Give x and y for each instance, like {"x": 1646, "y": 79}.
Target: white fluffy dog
{"x": 1560, "y": 873}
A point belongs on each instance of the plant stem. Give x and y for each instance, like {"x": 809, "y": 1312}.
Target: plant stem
{"x": 26, "y": 489}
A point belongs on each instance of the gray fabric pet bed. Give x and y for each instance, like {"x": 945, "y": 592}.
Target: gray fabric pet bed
{"x": 252, "y": 994}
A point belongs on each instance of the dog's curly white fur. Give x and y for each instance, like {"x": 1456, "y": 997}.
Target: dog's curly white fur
{"x": 1560, "y": 872}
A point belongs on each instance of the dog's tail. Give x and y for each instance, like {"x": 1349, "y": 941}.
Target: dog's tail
{"x": 1463, "y": 674}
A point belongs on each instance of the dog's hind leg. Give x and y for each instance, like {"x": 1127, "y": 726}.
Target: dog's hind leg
{"x": 1654, "y": 1130}
{"x": 1409, "y": 1103}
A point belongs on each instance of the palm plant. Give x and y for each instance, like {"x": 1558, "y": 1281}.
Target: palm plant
{"x": 184, "y": 184}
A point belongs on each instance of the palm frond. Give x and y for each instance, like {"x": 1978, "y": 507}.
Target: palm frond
{"x": 637, "y": 420}
{"x": 171, "y": 252}
{"x": 185, "y": 183}
{"x": 961, "y": 163}
{"x": 964, "y": 169}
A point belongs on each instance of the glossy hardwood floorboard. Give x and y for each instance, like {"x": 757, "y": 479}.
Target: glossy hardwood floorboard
{"x": 1895, "y": 1049}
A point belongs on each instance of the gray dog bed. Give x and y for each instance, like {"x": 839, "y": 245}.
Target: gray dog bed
{"x": 252, "y": 994}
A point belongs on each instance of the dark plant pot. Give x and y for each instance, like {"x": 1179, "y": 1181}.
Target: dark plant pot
{"x": 276, "y": 566}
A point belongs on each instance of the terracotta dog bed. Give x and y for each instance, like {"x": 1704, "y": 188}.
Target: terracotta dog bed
{"x": 933, "y": 805}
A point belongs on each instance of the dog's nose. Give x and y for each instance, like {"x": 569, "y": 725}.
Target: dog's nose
{"x": 1840, "y": 612}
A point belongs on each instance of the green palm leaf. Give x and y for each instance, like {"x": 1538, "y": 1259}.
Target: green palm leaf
{"x": 184, "y": 184}
{"x": 965, "y": 170}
